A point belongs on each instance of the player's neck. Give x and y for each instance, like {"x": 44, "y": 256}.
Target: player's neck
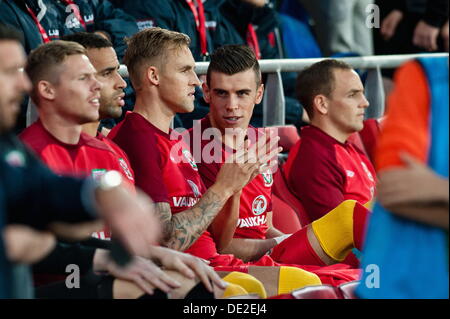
{"x": 331, "y": 130}
{"x": 154, "y": 111}
{"x": 91, "y": 128}
{"x": 62, "y": 129}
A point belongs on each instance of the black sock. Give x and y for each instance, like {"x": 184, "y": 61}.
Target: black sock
{"x": 199, "y": 292}
{"x": 157, "y": 294}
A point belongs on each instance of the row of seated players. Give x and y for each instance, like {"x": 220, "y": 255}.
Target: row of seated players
{"x": 177, "y": 188}
{"x": 233, "y": 88}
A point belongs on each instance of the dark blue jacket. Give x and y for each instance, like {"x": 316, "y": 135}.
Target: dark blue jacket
{"x": 177, "y": 16}
{"x": 31, "y": 194}
{"x": 101, "y": 15}
{"x": 5, "y": 267}
{"x": 58, "y": 19}
{"x": 264, "y": 19}
{"x": 15, "y": 14}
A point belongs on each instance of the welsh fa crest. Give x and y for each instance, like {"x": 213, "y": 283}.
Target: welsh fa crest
{"x": 190, "y": 159}
{"x": 268, "y": 178}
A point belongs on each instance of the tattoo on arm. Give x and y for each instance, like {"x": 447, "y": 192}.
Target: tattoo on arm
{"x": 165, "y": 215}
{"x": 183, "y": 229}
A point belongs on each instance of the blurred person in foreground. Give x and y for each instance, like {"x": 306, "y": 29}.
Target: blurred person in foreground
{"x": 407, "y": 236}
{"x": 23, "y": 202}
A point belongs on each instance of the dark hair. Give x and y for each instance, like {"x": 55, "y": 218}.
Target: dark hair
{"x": 88, "y": 40}
{"x": 149, "y": 47}
{"x": 9, "y": 33}
{"x": 317, "y": 79}
{"x": 232, "y": 59}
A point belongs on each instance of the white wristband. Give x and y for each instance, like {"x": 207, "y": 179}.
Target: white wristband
{"x": 279, "y": 239}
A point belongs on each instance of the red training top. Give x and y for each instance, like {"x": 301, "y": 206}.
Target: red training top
{"x": 90, "y": 156}
{"x": 325, "y": 172}
{"x": 164, "y": 169}
{"x": 256, "y": 197}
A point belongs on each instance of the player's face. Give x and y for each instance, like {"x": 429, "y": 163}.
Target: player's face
{"x": 347, "y": 102}
{"x": 77, "y": 93}
{"x": 178, "y": 80}
{"x": 13, "y": 82}
{"x": 105, "y": 62}
{"x": 232, "y": 98}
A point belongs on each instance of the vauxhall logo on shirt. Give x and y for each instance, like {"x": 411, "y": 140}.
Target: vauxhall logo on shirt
{"x": 259, "y": 206}
{"x": 187, "y": 201}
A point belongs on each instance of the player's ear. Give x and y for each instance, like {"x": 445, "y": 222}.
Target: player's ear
{"x": 206, "y": 92}
{"x": 320, "y": 103}
{"x": 259, "y": 94}
{"x": 46, "y": 90}
{"x": 152, "y": 75}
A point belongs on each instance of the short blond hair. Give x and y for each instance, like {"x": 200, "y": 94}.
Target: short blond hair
{"x": 43, "y": 62}
{"x": 149, "y": 47}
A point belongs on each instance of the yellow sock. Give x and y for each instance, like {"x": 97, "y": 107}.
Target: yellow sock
{"x": 233, "y": 290}
{"x": 248, "y": 282}
{"x": 335, "y": 230}
{"x": 292, "y": 278}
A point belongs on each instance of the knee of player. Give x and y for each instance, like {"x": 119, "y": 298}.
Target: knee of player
{"x": 341, "y": 216}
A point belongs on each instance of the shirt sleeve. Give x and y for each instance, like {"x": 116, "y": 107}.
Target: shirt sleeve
{"x": 318, "y": 183}
{"x": 143, "y": 153}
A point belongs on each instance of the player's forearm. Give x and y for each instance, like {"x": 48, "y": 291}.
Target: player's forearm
{"x": 434, "y": 215}
{"x": 186, "y": 227}
{"x": 249, "y": 249}
{"x": 272, "y": 232}
{"x": 224, "y": 224}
